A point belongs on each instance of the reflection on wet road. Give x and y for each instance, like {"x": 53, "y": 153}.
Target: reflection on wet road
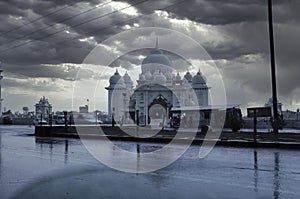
{"x": 33, "y": 167}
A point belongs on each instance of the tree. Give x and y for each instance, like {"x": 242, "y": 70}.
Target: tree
{"x": 235, "y": 120}
{"x": 281, "y": 122}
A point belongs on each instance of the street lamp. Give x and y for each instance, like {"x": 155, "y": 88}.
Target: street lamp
{"x": 96, "y": 115}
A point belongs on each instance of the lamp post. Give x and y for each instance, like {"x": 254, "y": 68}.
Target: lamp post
{"x": 273, "y": 71}
{"x": 1, "y": 77}
{"x": 65, "y": 118}
{"x": 96, "y": 116}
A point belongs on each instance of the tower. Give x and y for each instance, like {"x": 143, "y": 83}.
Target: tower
{"x": 1, "y": 100}
{"x": 116, "y": 95}
{"x": 200, "y": 88}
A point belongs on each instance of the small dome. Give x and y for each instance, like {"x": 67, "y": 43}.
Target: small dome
{"x": 160, "y": 78}
{"x": 116, "y": 78}
{"x": 199, "y": 79}
{"x": 177, "y": 78}
{"x": 188, "y": 76}
{"x": 148, "y": 75}
{"x": 168, "y": 76}
{"x": 156, "y": 73}
{"x": 142, "y": 77}
{"x": 173, "y": 76}
{"x": 127, "y": 79}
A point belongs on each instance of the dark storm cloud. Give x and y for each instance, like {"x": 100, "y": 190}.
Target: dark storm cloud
{"x": 245, "y": 24}
{"x": 220, "y": 12}
{"x": 243, "y": 39}
{"x": 242, "y": 25}
{"x": 135, "y": 58}
{"x": 7, "y": 9}
{"x": 49, "y": 34}
{"x": 66, "y": 72}
{"x": 45, "y": 40}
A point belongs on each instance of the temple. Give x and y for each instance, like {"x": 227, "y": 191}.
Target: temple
{"x": 159, "y": 90}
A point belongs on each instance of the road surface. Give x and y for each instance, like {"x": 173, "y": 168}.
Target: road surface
{"x": 33, "y": 167}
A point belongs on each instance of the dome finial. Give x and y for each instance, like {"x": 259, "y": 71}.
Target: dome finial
{"x": 156, "y": 44}
{"x": 199, "y": 71}
{"x": 117, "y": 72}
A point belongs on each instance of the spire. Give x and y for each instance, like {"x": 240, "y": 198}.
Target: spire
{"x": 199, "y": 71}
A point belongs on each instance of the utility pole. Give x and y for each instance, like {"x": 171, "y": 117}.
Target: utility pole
{"x": 1, "y": 100}
{"x": 273, "y": 71}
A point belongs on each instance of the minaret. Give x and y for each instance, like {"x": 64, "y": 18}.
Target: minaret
{"x": 1, "y": 100}
{"x": 116, "y": 91}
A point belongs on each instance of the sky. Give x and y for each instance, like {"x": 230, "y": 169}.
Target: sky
{"x": 43, "y": 45}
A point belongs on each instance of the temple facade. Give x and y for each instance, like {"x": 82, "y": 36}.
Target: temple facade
{"x": 158, "y": 91}
{"x": 43, "y": 108}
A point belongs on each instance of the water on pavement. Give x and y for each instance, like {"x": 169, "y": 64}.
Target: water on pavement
{"x": 33, "y": 167}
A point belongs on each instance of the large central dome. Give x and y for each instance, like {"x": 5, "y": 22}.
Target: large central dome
{"x": 156, "y": 61}
{"x": 157, "y": 57}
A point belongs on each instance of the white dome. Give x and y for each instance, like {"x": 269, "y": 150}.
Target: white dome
{"x": 148, "y": 75}
{"x": 156, "y": 73}
{"x": 157, "y": 56}
{"x": 168, "y": 76}
{"x": 177, "y": 78}
{"x": 142, "y": 77}
{"x": 116, "y": 78}
{"x": 188, "y": 76}
{"x": 156, "y": 60}
{"x": 160, "y": 78}
{"x": 199, "y": 79}
{"x": 127, "y": 79}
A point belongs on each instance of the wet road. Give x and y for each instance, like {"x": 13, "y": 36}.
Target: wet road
{"x": 62, "y": 168}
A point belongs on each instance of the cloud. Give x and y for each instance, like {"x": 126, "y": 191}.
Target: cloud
{"x": 32, "y": 85}
{"x": 233, "y": 32}
{"x": 67, "y": 71}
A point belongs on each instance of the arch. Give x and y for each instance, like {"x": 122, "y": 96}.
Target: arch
{"x": 159, "y": 109}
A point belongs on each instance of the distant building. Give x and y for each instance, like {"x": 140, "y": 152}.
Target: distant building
{"x": 290, "y": 119}
{"x": 25, "y": 110}
{"x": 43, "y": 107}
{"x": 84, "y": 109}
{"x": 270, "y": 104}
